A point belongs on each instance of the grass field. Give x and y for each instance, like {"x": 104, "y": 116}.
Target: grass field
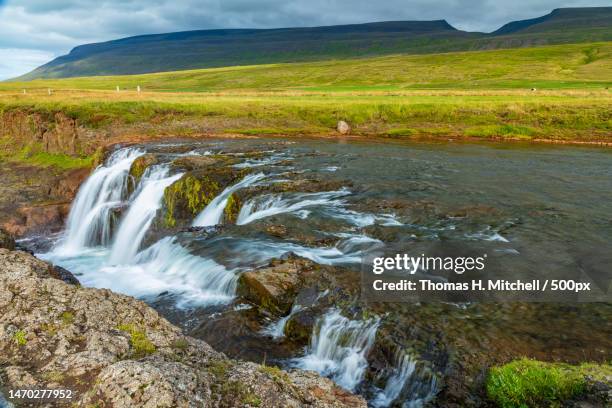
{"x": 483, "y": 94}
{"x": 553, "y": 67}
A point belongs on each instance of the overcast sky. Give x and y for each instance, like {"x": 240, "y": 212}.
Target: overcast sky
{"x": 33, "y": 32}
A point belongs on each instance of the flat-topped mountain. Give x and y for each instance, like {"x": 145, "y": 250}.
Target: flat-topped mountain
{"x": 231, "y": 47}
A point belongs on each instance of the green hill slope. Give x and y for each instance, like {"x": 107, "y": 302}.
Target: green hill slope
{"x": 559, "y": 66}
{"x": 222, "y": 48}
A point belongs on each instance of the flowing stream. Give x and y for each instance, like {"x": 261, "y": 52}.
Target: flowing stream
{"x": 418, "y": 197}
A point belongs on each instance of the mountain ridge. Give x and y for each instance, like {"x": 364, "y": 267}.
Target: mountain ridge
{"x": 195, "y": 49}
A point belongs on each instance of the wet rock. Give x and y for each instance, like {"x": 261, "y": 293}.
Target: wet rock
{"x": 68, "y": 185}
{"x": 113, "y": 350}
{"x": 39, "y": 218}
{"x": 199, "y": 162}
{"x": 62, "y": 274}
{"x": 275, "y": 287}
{"x": 232, "y": 209}
{"x": 6, "y": 240}
{"x": 300, "y": 325}
{"x": 140, "y": 165}
{"x": 189, "y": 195}
{"x": 343, "y": 128}
{"x": 279, "y": 231}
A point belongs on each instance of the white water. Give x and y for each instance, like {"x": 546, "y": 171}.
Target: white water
{"x": 211, "y": 215}
{"x": 329, "y": 202}
{"x": 89, "y": 219}
{"x": 142, "y": 211}
{"x": 396, "y": 381}
{"x": 275, "y": 204}
{"x": 339, "y": 348}
{"x": 276, "y": 330}
{"x": 347, "y": 251}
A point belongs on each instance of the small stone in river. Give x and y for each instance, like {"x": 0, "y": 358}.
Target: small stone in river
{"x": 343, "y": 128}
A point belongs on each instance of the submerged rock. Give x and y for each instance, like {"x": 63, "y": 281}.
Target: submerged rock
{"x": 113, "y": 350}
{"x": 275, "y": 287}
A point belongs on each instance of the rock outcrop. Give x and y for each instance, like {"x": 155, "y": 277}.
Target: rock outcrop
{"x": 115, "y": 351}
{"x": 6, "y": 240}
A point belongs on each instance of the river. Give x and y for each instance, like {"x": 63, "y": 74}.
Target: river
{"x": 531, "y": 208}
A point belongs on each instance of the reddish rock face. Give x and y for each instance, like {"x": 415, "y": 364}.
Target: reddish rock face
{"x": 49, "y": 217}
{"x": 68, "y": 186}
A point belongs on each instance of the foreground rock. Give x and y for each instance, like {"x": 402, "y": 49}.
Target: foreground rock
{"x": 113, "y": 350}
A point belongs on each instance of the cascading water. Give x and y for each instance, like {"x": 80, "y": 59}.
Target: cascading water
{"x": 339, "y": 348}
{"x": 274, "y": 204}
{"x": 168, "y": 267}
{"x": 329, "y": 202}
{"x": 211, "y": 215}
{"x": 142, "y": 211}
{"x": 405, "y": 382}
{"x": 89, "y": 219}
{"x": 396, "y": 381}
{"x": 276, "y": 330}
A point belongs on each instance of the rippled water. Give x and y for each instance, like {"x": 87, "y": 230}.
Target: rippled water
{"x": 530, "y": 208}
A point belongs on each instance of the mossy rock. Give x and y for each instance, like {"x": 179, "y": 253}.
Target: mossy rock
{"x": 191, "y": 163}
{"x": 232, "y": 209}
{"x": 187, "y": 196}
{"x": 300, "y": 325}
{"x": 140, "y": 165}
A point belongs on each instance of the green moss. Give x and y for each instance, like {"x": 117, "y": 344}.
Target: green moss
{"x": 252, "y": 400}
{"x": 35, "y": 156}
{"x": 54, "y": 376}
{"x": 98, "y": 157}
{"x": 67, "y": 318}
{"x": 180, "y": 344}
{"x": 232, "y": 209}
{"x": 278, "y": 375}
{"x": 20, "y": 338}
{"x": 141, "y": 345}
{"x": 531, "y": 383}
{"x": 187, "y": 197}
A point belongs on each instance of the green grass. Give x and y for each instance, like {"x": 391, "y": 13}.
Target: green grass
{"x": 549, "y": 67}
{"x": 480, "y": 94}
{"x": 530, "y": 383}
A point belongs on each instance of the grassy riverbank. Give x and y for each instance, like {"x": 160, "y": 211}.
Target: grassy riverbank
{"x": 473, "y": 95}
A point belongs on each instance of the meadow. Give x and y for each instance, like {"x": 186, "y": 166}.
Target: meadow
{"x": 543, "y": 93}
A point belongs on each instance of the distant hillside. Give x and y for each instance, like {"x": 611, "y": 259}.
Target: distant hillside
{"x": 221, "y": 48}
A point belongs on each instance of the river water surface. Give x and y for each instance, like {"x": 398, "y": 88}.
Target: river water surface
{"x": 531, "y": 208}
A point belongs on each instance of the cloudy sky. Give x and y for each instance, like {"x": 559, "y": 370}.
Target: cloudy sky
{"x": 34, "y": 31}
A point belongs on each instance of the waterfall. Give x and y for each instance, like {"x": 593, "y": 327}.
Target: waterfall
{"x": 406, "y": 384}
{"x": 142, "y": 211}
{"x": 276, "y": 330}
{"x": 211, "y": 215}
{"x": 168, "y": 267}
{"x": 396, "y": 381}
{"x": 89, "y": 219}
{"x": 339, "y": 347}
{"x": 330, "y": 203}
{"x": 274, "y": 204}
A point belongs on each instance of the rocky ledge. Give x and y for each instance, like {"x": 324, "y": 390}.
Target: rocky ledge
{"x": 115, "y": 351}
